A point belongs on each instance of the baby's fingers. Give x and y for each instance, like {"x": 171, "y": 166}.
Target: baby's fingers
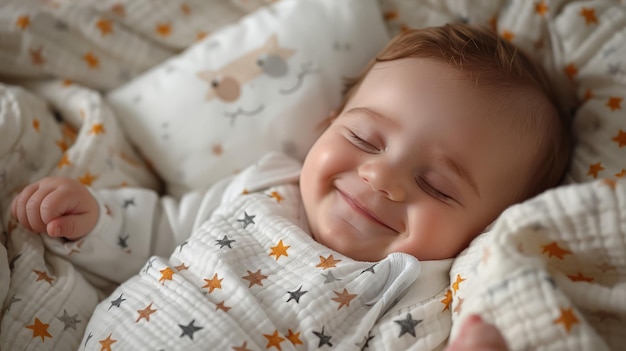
{"x": 25, "y": 208}
{"x": 71, "y": 227}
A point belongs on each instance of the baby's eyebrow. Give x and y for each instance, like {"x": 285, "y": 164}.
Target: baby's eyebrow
{"x": 462, "y": 172}
{"x": 374, "y": 115}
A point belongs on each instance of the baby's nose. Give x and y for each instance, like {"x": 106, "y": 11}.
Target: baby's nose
{"x": 383, "y": 178}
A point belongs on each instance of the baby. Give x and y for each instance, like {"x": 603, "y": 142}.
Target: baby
{"x": 445, "y": 129}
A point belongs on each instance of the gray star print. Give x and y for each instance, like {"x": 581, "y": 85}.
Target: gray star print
{"x": 69, "y": 321}
{"x": 246, "y": 220}
{"x": 324, "y": 339}
{"x": 189, "y": 329}
{"x": 88, "y": 338}
{"x": 296, "y": 295}
{"x": 121, "y": 241}
{"x": 329, "y": 277}
{"x": 117, "y": 302}
{"x": 13, "y": 300}
{"x": 365, "y": 343}
{"x": 225, "y": 242}
{"x": 369, "y": 269}
{"x": 407, "y": 325}
{"x": 129, "y": 202}
{"x": 12, "y": 263}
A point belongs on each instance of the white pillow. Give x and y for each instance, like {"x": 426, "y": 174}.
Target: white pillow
{"x": 280, "y": 71}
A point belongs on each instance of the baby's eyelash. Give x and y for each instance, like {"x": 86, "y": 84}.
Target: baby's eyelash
{"x": 427, "y": 187}
{"x": 362, "y": 142}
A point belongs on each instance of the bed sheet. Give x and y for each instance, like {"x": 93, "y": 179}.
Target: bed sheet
{"x": 559, "y": 257}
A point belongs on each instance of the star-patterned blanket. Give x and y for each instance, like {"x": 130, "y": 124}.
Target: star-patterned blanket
{"x": 571, "y": 241}
{"x": 45, "y": 296}
{"x": 252, "y": 278}
{"x": 551, "y": 273}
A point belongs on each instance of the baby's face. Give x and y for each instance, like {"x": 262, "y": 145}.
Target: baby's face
{"x": 414, "y": 163}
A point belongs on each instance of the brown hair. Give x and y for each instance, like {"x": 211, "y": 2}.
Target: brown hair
{"x": 492, "y": 62}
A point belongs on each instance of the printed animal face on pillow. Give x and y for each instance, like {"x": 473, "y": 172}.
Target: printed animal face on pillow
{"x": 263, "y": 84}
{"x": 226, "y": 82}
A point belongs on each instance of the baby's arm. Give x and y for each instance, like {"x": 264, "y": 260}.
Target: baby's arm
{"x": 58, "y": 206}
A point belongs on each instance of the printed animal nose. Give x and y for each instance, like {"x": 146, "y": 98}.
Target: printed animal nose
{"x": 383, "y": 178}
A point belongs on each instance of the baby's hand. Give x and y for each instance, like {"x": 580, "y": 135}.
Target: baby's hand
{"x": 59, "y": 206}
{"x": 476, "y": 335}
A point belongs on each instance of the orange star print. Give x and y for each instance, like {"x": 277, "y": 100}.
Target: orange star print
{"x": 327, "y": 262}
{"x": 571, "y": 71}
{"x": 614, "y": 103}
{"x": 276, "y": 195}
{"x": 611, "y": 183}
{"x": 43, "y": 276}
{"x": 166, "y": 274}
{"x": 118, "y": 9}
{"x": 87, "y": 179}
{"x": 589, "y": 15}
{"x": 580, "y": 278}
{"x": 65, "y": 161}
{"x": 39, "y": 329}
{"x": 343, "y": 298}
{"x": 185, "y": 9}
{"x": 255, "y": 278}
{"x": 273, "y": 340}
{"x": 567, "y": 319}
{"x": 620, "y": 138}
{"x": 36, "y": 57}
{"x": 105, "y": 26}
{"x": 447, "y": 300}
{"x": 279, "y": 250}
{"x": 294, "y": 337}
{"x": 222, "y": 306}
{"x": 508, "y": 35}
{"x": 106, "y": 343}
{"x": 91, "y": 60}
{"x": 23, "y": 22}
{"x": 97, "y": 129}
{"x": 243, "y": 347}
{"x": 163, "y": 29}
{"x": 457, "y": 283}
{"x": 145, "y": 313}
{"x": 213, "y": 283}
{"x": 36, "y": 124}
{"x": 594, "y": 169}
{"x": 541, "y": 8}
{"x": 553, "y": 249}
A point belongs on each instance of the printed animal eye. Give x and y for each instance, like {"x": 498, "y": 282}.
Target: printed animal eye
{"x": 272, "y": 65}
{"x": 363, "y": 144}
{"x": 226, "y": 88}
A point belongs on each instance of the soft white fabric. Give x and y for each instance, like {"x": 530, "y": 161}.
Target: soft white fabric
{"x": 265, "y": 83}
{"x": 88, "y": 146}
{"x": 104, "y": 44}
{"x": 580, "y": 43}
{"x": 551, "y": 274}
{"x": 252, "y": 276}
